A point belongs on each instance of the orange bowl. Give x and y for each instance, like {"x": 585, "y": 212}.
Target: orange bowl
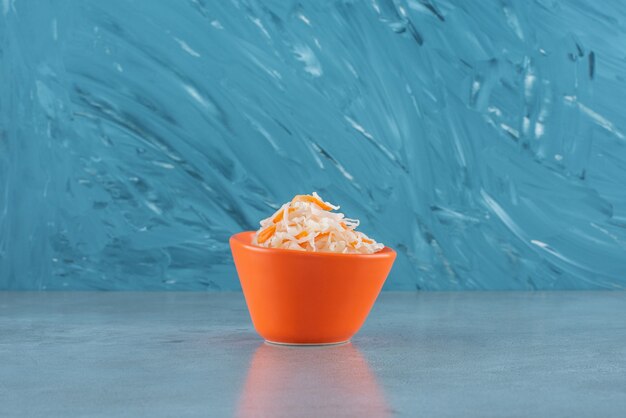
{"x": 297, "y": 297}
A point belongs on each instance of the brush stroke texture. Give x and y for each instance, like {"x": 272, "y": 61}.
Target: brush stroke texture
{"x": 485, "y": 141}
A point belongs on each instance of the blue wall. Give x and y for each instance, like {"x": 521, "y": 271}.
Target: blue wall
{"x": 485, "y": 141}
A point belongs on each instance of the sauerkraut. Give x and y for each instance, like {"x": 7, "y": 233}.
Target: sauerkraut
{"x": 307, "y": 223}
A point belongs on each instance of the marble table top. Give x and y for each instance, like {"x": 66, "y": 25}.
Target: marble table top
{"x": 491, "y": 354}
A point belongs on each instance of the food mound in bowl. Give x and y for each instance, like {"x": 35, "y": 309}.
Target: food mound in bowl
{"x": 307, "y": 224}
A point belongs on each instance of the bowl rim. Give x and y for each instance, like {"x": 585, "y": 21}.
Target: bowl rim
{"x": 244, "y": 239}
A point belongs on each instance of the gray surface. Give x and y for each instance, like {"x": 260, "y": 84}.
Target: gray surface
{"x": 432, "y": 354}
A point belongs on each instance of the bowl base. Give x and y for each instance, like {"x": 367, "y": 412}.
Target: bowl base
{"x": 306, "y": 344}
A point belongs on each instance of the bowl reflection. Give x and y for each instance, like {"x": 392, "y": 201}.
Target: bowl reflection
{"x": 310, "y": 381}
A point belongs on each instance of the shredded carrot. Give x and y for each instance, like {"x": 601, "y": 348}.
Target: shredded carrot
{"x": 280, "y": 215}
{"x": 307, "y": 223}
{"x": 266, "y": 233}
{"x": 322, "y": 235}
{"x": 311, "y": 199}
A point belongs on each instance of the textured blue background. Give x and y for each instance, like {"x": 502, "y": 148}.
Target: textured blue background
{"x": 485, "y": 141}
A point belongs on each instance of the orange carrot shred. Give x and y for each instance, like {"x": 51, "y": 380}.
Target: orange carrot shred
{"x": 266, "y": 234}
{"x": 311, "y": 199}
{"x": 280, "y": 215}
{"x": 320, "y": 236}
{"x": 301, "y": 235}
{"x": 367, "y": 240}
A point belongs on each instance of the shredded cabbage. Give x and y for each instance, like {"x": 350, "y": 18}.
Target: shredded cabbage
{"x": 307, "y": 224}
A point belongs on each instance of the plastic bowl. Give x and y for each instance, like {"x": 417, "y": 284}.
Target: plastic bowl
{"x": 297, "y": 297}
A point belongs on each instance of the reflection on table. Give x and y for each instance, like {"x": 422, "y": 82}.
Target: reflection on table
{"x": 311, "y": 381}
